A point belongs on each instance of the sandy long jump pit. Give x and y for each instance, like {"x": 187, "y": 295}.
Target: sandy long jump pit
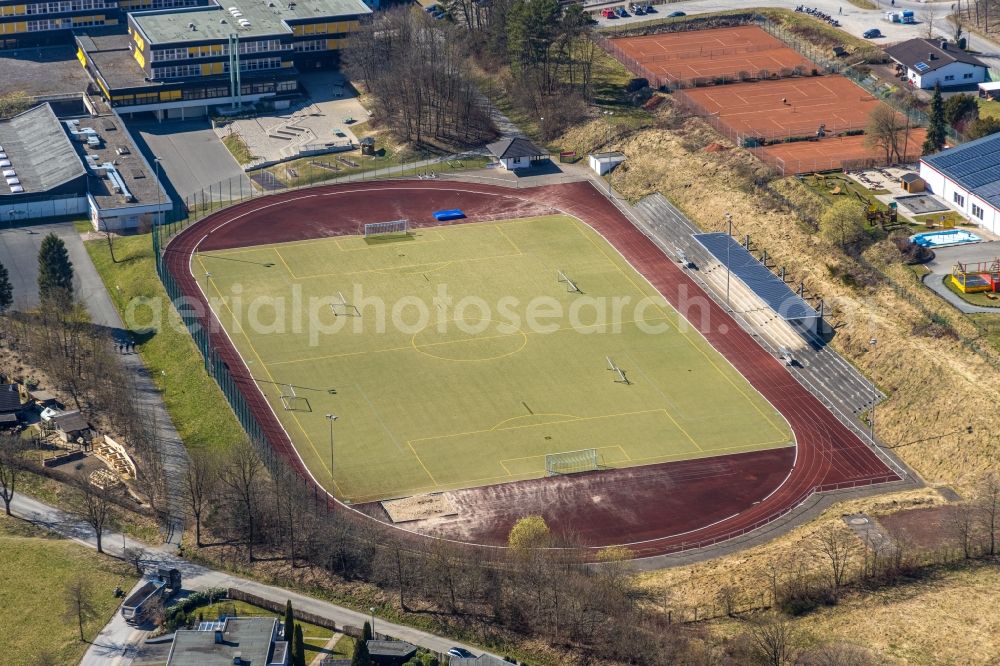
{"x": 709, "y": 437}
{"x": 720, "y": 52}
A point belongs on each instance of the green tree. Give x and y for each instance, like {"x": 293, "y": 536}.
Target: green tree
{"x": 981, "y": 127}
{"x": 55, "y": 270}
{"x": 936, "y": 132}
{"x": 960, "y": 110}
{"x": 532, "y": 27}
{"x": 361, "y": 656}
{"x": 529, "y": 532}
{"x": 6, "y": 291}
{"x": 842, "y": 223}
{"x": 289, "y": 622}
{"x": 299, "y": 653}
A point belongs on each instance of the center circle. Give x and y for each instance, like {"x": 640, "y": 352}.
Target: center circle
{"x": 472, "y": 339}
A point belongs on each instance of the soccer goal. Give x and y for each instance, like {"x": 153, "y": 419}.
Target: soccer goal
{"x": 620, "y": 376}
{"x": 571, "y": 462}
{"x": 393, "y": 227}
{"x": 292, "y": 402}
{"x": 571, "y": 286}
{"x": 341, "y": 308}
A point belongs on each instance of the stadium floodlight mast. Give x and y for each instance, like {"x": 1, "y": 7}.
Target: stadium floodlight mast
{"x": 331, "y": 418}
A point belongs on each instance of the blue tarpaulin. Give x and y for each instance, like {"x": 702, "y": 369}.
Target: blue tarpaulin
{"x": 450, "y": 214}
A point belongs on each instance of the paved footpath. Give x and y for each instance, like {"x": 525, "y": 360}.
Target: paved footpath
{"x": 116, "y": 644}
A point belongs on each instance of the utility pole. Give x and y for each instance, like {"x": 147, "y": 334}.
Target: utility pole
{"x": 608, "y": 114}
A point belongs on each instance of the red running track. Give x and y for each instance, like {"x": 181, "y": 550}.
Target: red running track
{"x": 827, "y": 456}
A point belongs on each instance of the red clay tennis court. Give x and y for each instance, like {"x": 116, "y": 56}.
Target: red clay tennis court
{"x": 786, "y": 107}
{"x": 840, "y": 152}
{"x": 677, "y": 57}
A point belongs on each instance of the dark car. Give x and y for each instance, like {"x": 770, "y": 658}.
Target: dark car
{"x": 872, "y": 34}
{"x": 676, "y": 14}
{"x": 460, "y": 652}
{"x": 622, "y": 12}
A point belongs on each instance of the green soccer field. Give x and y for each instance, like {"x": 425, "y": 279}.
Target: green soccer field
{"x": 456, "y": 356}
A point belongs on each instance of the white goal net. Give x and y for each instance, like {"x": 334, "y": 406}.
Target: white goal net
{"x": 571, "y": 462}
{"x": 384, "y": 228}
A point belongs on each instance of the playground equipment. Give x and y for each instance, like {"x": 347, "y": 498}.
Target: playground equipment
{"x": 886, "y": 219}
{"x": 971, "y": 278}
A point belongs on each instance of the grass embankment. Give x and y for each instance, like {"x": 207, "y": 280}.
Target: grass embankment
{"x": 315, "y": 638}
{"x": 34, "y": 571}
{"x": 239, "y": 148}
{"x": 322, "y": 168}
{"x": 863, "y": 4}
{"x": 195, "y": 403}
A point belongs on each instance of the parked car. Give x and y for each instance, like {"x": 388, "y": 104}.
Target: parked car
{"x": 638, "y": 10}
{"x": 676, "y": 14}
{"x": 460, "y": 652}
{"x": 608, "y": 13}
{"x": 650, "y": 9}
{"x": 872, "y": 33}
{"x": 622, "y": 12}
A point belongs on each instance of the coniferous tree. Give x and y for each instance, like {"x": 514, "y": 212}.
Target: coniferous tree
{"x": 299, "y": 653}
{"x": 6, "y": 291}
{"x": 366, "y": 632}
{"x": 936, "y": 132}
{"x": 55, "y": 270}
{"x": 289, "y": 622}
{"x": 361, "y": 656}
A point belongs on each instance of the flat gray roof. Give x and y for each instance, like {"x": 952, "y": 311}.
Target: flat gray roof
{"x": 50, "y": 70}
{"x": 111, "y": 56}
{"x": 118, "y": 148}
{"x": 248, "y": 636}
{"x": 170, "y": 26}
{"x": 39, "y": 151}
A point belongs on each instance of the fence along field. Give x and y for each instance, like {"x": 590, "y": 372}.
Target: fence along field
{"x": 718, "y": 75}
{"x": 443, "y": 408}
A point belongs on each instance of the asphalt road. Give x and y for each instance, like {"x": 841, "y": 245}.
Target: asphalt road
{"x": 115, "y": 646}
{"x": 192, "y": 157}
{"x": 19, "y": 254}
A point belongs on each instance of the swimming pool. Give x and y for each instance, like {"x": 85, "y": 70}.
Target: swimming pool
{"x": 943, "y": 238}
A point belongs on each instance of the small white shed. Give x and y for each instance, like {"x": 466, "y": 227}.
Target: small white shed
{"x": 603, "y": 163}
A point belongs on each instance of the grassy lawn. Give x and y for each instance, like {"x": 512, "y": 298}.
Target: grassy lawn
{"x": 863, "y": 4}
{"x": 825, "y": 184}
{"x": 34, "y": 570}
{"x": 518, "y": 388}
{"x": 988, "y": 108}
{"x": 196, "y": 405}
{"x": 939, "y": 219}
{"x": 238, "y": 147}
{"x": 982, "y": 299}
{"x": 315, "y": 637}
{"x": 989, "y": 326}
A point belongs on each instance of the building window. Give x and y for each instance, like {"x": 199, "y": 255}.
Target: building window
{"x": 977, "y": 211}
{"x": 968, "y": 75}
{"x": 959, "y": 199}
{"x": 949, "y": 77}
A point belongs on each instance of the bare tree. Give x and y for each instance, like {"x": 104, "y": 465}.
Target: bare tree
{"x": 888, "y": 131}
{"x": 95, "y": 507}
{"x": 773, "y": 640}
{"x": 988, "y": 510}
{"x": 200, "y": 485}
{"x": 11, "y": 467}
{"x": 838, "y": 546}
{"x": 963, "y": 526}
{"x": 80, "y": 606}
{"x": 928, "y": 17}
{"x": 243, "y": 476}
